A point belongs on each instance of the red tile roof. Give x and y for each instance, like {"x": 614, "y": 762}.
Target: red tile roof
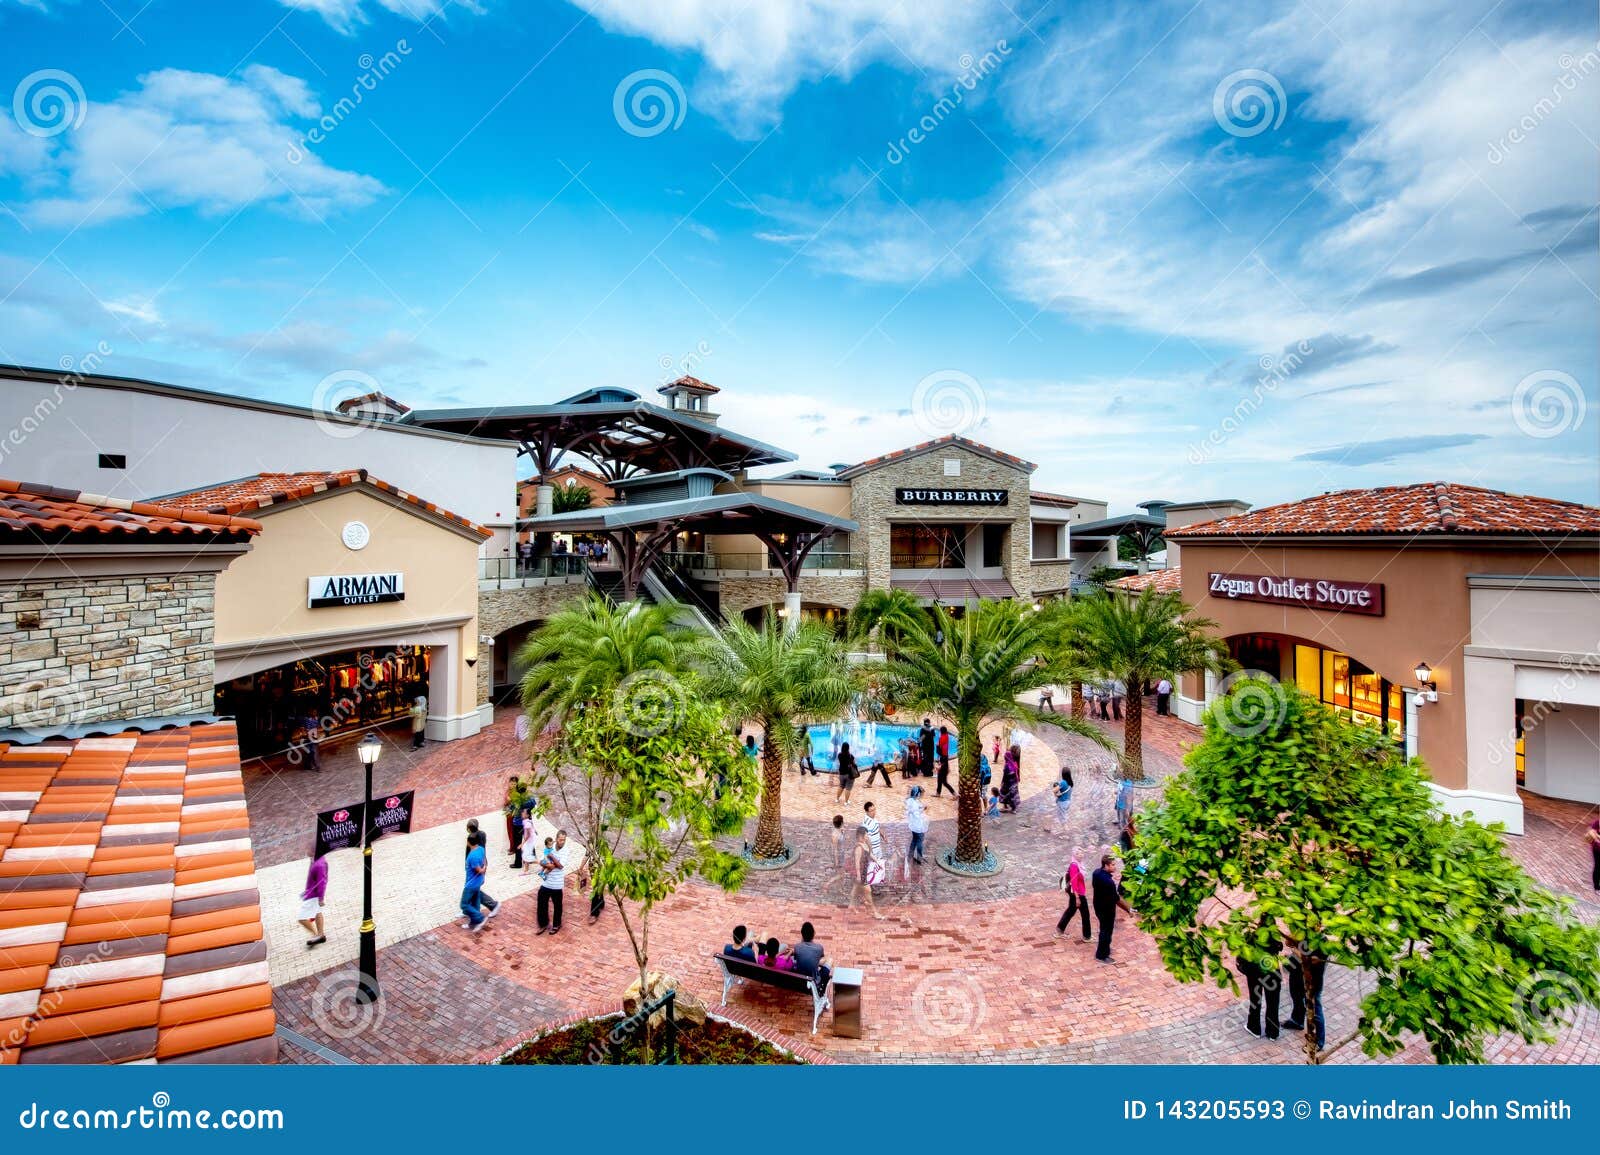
{"x": 1437, "y": 507}
{"x": 1163, "y": 581}
{"x": 1045, "y": 497}
{"x": 267, "y": 489}
{"x": 44, "y": 513}
{"x": 130, "y": 919}
{"x": 928, "y": 447}
{"x": 691, "y": 383}
{"x": 352, "y": 402}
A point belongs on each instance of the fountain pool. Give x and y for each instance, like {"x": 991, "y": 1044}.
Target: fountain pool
{"x": 869, "y": 741}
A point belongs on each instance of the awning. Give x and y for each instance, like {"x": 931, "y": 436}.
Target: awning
{"x": 955, "y": 590}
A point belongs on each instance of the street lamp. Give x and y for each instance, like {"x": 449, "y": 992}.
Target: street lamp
{"x": 368, "y": 750}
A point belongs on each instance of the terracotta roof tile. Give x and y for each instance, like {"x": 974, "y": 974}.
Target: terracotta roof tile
{"x": 1163, "y": 581}
{"x": 45, "y": 513}
{"x": 352, "y": 402}
{"x": 267, "y": 489}
{"x": 926, "y": 446}
{"x": 103, "y": 963}
{"x": 1436, "y": 507}
{"x": 687, "y": 382}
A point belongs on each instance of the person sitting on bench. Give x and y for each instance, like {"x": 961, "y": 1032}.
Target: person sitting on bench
{"x": 739, "y": 947}
{"x": 774, "y": 956}
{"x": 810, "y": 959}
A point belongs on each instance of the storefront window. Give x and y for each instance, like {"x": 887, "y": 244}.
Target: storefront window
{"x": 1359, "y": 693}
{"x": 1308, "y": 671}
{"x": 927, "y": 546}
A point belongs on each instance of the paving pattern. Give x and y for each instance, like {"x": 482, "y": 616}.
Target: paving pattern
{"x": 956, "y": 970}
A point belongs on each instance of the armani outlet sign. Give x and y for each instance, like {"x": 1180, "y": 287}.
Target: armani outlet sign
{"x": 356, "y": 589}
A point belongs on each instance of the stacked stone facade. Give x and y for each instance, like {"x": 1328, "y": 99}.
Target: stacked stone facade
{"x": 872, "y": 504}
{"x": 736, "y": 595}
{"x": 502, "y": 609}
{"x": 85, "y": 650}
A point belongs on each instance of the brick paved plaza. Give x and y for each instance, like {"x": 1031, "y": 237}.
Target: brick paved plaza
{"x": 956, "y": 969}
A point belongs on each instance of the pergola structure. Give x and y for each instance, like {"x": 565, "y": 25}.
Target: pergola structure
{"x": 615, "y": 430}
{"x": 1143, "y": 529}
{"x": 642, "y": 533}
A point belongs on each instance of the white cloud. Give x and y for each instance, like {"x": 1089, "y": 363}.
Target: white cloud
{"x": 758, "y": 53}
{"x": 191, "y": 140}
{"x": 347, "y": 15}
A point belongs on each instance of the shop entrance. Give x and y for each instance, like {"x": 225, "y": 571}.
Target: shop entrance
{"x": 1337, "y": 680}
{"x": 349, "y": 690}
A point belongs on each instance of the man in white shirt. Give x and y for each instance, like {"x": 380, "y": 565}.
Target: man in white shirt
{"x": 874, "y": 834}
{"x": 1163, "y": 696}
{"x": 553, "y": 887}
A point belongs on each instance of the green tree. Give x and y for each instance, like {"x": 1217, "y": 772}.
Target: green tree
{"x": 1138, "y": 640}
{"x": 1291, "y": 821}
{"x": 780, "y": 677}
{"x": 888, "y": 613}
{"x": 650, "y": 791}
{"x": 988, "y": 658}
{"x": 571, "y": 498}
{"x": 588, "y": 650}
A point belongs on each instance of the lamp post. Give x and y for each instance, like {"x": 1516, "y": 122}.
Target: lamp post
{"x": 368, "y": 750}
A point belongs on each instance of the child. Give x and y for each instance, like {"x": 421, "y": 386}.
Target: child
{"x": 530, "y": 840}
{"x": 994, "y": 803}
{"x": 838, "y": 839}
{"x": 1063, "y": 798}
{"x": 544, "y": 860}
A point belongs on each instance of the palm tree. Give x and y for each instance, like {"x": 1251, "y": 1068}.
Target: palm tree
{"x": 987, "y": 660}
{"x": 571, "y": 498}
{"x": 779, "y": 676}
{"x": 591, "y": 649}
{"x": 1136, "y": 640}
{"x": 890, "y": 612}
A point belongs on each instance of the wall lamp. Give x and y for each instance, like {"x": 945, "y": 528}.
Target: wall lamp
{"x": 1427, "y": 688}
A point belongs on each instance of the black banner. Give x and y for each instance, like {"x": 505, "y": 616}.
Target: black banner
{"x": 339, "y": 828}
{"x": 391, "y": 815}
{"x": 908, "y": 496}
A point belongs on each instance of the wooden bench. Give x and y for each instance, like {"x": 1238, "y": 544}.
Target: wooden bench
{"x": 743, "y": 970}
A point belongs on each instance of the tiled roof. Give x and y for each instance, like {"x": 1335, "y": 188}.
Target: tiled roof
{"x": 1045, "y": 497}
{"x": 44, "y": 513}
{"x": 692, "y": 383}
{"x": 1436, "y": 507}
{"x": 266, "y": 489}
{"x": 352, "y": 402}
{"x": 929, "y": 446}
{"x": 130, "y": 921}
{"x": 1163, "y": 581}
{"x": 954, "y": 590}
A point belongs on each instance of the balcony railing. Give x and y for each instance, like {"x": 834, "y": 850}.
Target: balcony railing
{"x": 703, "y": 562}
{"x": 555, "y": 565}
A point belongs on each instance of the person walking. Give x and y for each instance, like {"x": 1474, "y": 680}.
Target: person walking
{"x": 1077, "y": 887}
{"x": 1591, "y": 835}
{"x": 943, "y": 748}
{"x": 925, "y": 743}
{"x": 419, "y": 721}
{"x": 1063, "y": 798}
{"x": 847, "y": 774}
{"x": 1124, "y": 801}
{"x": 1047, "y": 699}
{"x": 917, "y": 824}
{"x": 472, "y": 889}
{"x": 1119, "y": 691}
{"x": 1107, "y": 901}
{"x": 1011, "y": 780}
{"x": 553, "y": 886}
{"x": 313, "y": 728}
{"x": 486, "y": 901}
{"x": 1262, "y": 986}
{"x": 1164, "y": 696}
{"x": 874, "y": 831}
{"x": 877, "y": 769}
{"x": 312, "y": 899}
{"x": 871, "y": 870}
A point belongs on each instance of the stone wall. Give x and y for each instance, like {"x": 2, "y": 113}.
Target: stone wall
{"x": 872, "y": 504}
{"x": 84, "y": 650}
{"x": 500, "y": 610}
{"x": 736, "y": 595}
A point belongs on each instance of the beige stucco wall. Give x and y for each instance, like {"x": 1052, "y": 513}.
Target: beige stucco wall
{"x": 261, "y": 598}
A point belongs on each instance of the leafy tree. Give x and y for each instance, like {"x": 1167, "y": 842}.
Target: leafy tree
{"x": 571, "y": 498}
{"x": 888, "y": 612}
{"x": 586, "y": 651}
{"x": 779, "y": 676}
{"x": 649, "y": 792}
{"x": 1292, "y": 822}
{"x": 1138, "y": 640}
{"x": 990, "y": 656}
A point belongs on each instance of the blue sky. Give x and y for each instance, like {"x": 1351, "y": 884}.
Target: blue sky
{"x": 1183, "y": 251}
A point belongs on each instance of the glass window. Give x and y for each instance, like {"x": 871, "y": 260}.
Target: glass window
{"x": 927, "y": 547}
{"x": 1308, "y": 670}
{"x": 994, "y": 542}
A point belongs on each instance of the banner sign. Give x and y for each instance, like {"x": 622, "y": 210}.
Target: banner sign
{"x": 339, "y": 828}
{"x": 905, "y": 496}
{"x": 357, "y": 589}
{"x": 391, "y": 815}
{"x": 1307, "y": 593}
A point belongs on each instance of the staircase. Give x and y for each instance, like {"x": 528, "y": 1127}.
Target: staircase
{"x": 608, "y": 584}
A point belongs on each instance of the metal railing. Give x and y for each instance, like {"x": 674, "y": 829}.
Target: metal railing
{"x": 516, "y": 569}
{"x": 706, "y": 562}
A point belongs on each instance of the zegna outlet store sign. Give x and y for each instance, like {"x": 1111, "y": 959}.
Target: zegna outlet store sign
{"x": 1307, "y": 593}
{"x": 908, "y": 496}
{"x": 360, "y": 589}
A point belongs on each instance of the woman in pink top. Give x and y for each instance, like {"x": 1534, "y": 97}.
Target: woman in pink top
{"x": 311, "y": 901}
{"x": 1078, "y": 897}
{"x": 772, "y": 957}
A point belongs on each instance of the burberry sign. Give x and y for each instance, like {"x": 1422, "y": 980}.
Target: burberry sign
{"x": 905, "y": 496}
{"x": 1308, "y": 593}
